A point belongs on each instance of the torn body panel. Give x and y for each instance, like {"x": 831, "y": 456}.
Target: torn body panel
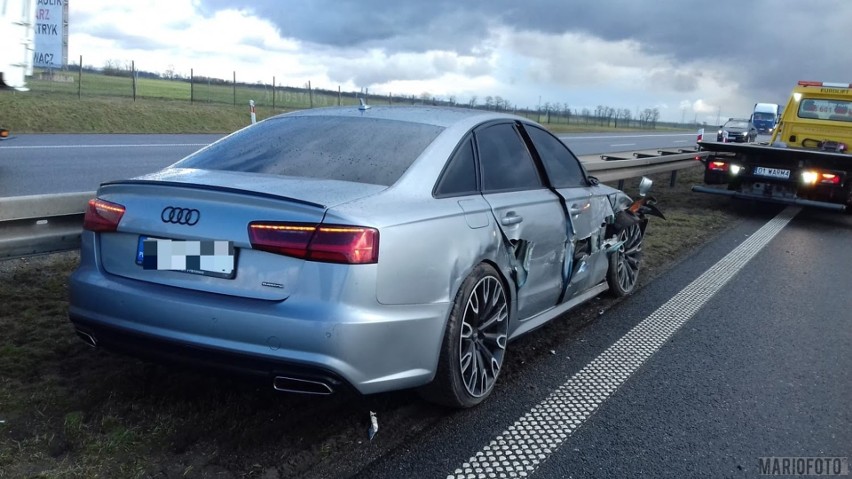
{"x": 585, "y": 263}
{"x": 533, "y": 227}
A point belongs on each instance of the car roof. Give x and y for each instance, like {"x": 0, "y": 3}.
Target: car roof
{"x": 431, "y": 115}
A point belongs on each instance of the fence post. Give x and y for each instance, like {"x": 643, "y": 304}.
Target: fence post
{"x": 310, "y": 94}
{"x": 133, "y": 74}
{"x": 235, "y": 88}
{"x": 253, "y": 116}
{"x": 80, "y": 79}
{"x": 338, "y": 95}
{"x": 191, "y": 85}
{"x": 273, "y": 92}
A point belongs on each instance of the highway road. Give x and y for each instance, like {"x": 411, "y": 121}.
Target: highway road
{"x": 44, "y": 164}
{"x": 743, "y": 351}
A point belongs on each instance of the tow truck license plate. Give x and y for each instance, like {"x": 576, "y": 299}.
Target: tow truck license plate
{"x": 772, "y": 172}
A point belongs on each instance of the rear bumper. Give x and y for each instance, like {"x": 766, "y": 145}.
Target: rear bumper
{"x": 770, "y": 199}
{"x": 374, "y": 349}
{"x": 173, "y": 352}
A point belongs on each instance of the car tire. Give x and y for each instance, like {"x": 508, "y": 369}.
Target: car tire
{"x": 623, "y": 272}
{"x": 474, "y": 346}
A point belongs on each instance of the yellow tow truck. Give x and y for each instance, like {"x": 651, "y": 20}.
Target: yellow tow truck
{"x": 807, "y": 162}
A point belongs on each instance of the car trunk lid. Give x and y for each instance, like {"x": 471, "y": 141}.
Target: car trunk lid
{"x": 203, "y": 207}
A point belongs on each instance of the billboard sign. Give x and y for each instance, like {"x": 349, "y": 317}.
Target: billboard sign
{"x": 51, "y": 34}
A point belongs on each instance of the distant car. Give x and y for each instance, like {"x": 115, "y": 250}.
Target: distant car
{"x": 380, "y": 248}
{"x": 737, "y": 131}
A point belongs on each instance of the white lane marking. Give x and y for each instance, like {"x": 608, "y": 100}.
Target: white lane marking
{"x": 56, "y": 147}
{"x": 520, "y": 449}
{"x": 609, "y": 137}
{"x": 623, "y": 144}
{"x": 679, "y": 141}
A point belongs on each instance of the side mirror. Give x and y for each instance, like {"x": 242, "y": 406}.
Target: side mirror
{"x": 594, "y": 181}
{"x": 645, "y": 186}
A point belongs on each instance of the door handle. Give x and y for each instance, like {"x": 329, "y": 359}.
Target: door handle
{"x": 511, "y": 219}
{"x": 575, "y": 210}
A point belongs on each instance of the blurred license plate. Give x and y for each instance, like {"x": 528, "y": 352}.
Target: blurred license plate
{"x": 208, "y": 258}
{"x": 772, "y": 172}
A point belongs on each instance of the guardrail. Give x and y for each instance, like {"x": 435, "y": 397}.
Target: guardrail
{"x": 41, "y": 223}
{"x": 50, "y": 223}
{"x": 619, "y": 168}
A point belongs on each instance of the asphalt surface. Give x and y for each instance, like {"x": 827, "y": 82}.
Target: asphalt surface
{"x": 762, "y": 369}
{"x": 45, "y": 164}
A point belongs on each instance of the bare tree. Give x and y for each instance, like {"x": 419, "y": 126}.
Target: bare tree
{"x": 566, "y": 112}
{"x": 472, "y": 102}
{"x": 625, "y": 116}
{"x": 498, "y": 102}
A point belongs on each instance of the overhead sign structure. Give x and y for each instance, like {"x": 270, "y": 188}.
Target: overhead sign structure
{"x": 51, "y": 34}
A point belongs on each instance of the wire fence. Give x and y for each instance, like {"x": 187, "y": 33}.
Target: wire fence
{"x": 128, "y": 82}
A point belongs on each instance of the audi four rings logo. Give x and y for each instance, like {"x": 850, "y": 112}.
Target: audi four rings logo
{"x": 180, "y": 216}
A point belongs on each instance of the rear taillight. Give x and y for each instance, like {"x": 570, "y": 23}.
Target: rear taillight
{"x": 102, "y": 216}
{"x": 718, "y": 166}
{"x": 326, "y": 243}
{"x": 811, "y": 177}
{"x": 829, "y": 178}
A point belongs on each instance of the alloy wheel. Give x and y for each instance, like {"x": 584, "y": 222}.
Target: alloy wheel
{"x": 484, "y": 330}
{"x": 629, "y": 256}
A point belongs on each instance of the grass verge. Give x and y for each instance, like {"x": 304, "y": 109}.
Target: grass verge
{"x": 98, "y": 103}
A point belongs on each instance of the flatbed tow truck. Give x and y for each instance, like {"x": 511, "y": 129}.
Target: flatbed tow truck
{"x": 807, "y": 162}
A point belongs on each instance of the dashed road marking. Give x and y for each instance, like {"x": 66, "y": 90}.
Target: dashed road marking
{"x": 520, "y": 449}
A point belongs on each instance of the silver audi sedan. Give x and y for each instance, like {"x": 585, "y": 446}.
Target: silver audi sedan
{"x": 369, "y": 248}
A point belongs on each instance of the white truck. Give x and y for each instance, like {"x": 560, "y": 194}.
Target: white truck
{"x": 17, "y": 20}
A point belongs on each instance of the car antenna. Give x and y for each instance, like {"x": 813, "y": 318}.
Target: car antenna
{"x": 363, "y": 106}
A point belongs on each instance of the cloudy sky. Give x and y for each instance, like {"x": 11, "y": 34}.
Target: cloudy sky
{"x": 692, "y": 60}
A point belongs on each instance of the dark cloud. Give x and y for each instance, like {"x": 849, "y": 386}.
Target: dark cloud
{"x": 125, "y": 40}
{"x": 399, "y": 26}
{"x": 769, "y": 43}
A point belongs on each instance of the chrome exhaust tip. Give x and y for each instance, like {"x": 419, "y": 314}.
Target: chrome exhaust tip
{"x": 301, "y": 386}
{"x": 87, "y": 338}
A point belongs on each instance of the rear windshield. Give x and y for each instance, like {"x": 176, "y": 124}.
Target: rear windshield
{"x": 364, "y": 150}
{"x": 836, "y": 110}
